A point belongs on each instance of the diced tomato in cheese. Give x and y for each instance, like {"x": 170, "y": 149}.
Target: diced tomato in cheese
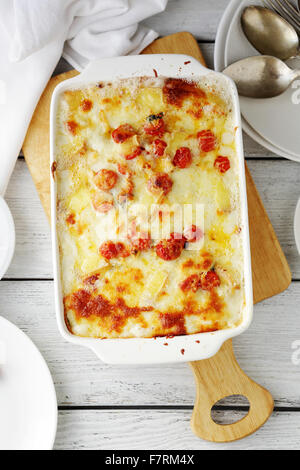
{"x": 122, "y": 133}
{"x": 207, "y": 140}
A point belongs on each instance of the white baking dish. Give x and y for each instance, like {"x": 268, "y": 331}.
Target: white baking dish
{"x": 150, "y": 350}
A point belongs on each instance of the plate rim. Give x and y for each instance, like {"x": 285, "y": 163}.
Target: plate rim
{"x": 52, "y": 390}
{"x": 219, "y": 52}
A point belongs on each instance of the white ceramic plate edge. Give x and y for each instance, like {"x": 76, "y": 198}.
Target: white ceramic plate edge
{"x": 43, "y": 364}
{"x": 219, "y": 55}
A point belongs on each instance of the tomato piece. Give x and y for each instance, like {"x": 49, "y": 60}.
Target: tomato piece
{"x": 210, "y": 281}
{"x": 183, "y": 157}
{"x": 111, "y": 250}
{"x": 160, "y": 182}
{"x": 142, "y": 243}
{"x": 193, "y": 234}
{"x": 169, "y": 249}
{"x": 105, "y": 179}
{"x": 207, "y": 140}
{"x": 155, "y": 125}
{"x": 158, "y": 147}
{"x": 72, "y": 127}
{"x": 122, "y": 133}
{"x": 191, "y": 283}
{"x": 222, "y": 164}
{"x": 122, "y": 250}
{"x": 86, "y": 105}
{"x": 134, "y": 154}
{"x": 108, "y": 250}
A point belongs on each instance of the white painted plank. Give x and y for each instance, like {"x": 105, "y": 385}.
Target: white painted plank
{"x": 199, "y": 17}
{"x": 32, "y": 258}
{"x": 277, "y": 182}
{"x": 160, "y": 430}
{"x": 264, "y": 352}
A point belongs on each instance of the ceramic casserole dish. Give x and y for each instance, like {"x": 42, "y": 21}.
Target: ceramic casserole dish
{"x": 181, "y": 347}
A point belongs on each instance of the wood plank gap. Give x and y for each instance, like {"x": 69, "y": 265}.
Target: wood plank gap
{"x": 250, "y": 158}
{"x": 26, "y": 279}
{"x": 279, "y": 409}
{"x": 205, "y": 41}
{"x": 126, "y": 407}
{"x": 262, "y": 158}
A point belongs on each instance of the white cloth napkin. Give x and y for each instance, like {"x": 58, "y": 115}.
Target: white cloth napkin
{"x": 33, "y": 35}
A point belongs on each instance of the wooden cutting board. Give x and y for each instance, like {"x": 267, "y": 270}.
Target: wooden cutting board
{"x": 219, "y": 376}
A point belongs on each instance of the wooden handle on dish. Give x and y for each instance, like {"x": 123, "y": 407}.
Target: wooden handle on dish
{"x": 219, "y": 377}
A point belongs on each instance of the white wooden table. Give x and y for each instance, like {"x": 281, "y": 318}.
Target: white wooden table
{"x": 111, "y": 407}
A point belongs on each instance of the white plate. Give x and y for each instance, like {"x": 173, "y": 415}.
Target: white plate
{"x": 231, "y": 38}
{"x": 7, "y": 237}
{"x": 297, "y": 226}
{"x": 28, "y": 407}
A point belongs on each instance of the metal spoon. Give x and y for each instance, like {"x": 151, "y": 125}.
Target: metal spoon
{"x": 261, "y": 76}
{"x": 269, "y": 33}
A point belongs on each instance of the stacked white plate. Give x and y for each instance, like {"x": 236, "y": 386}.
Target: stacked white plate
{"x": 272, "y": 122}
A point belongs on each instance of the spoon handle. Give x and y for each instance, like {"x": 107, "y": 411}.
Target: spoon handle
{"x": 296, "y": 74}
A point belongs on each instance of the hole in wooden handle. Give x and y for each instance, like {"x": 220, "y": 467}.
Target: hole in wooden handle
{"x": 218, "y": 377}
{"x": 224, "y": 416}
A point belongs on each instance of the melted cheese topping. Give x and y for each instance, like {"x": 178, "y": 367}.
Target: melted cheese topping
{"x": 133, "y": 291}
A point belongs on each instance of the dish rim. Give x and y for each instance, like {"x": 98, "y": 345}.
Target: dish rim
{"x": 151, "y": 350}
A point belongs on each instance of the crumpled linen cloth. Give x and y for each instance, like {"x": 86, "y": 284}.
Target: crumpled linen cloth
{"x": 33, "y": 36}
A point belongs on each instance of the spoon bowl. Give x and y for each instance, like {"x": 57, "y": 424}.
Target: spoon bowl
{"x": 7, "y": 237}
{"x": 261, "y": 76}
{"x": 269, "y": 33}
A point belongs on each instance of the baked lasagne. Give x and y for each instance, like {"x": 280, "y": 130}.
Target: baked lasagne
{"x": 148, "y": 208}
